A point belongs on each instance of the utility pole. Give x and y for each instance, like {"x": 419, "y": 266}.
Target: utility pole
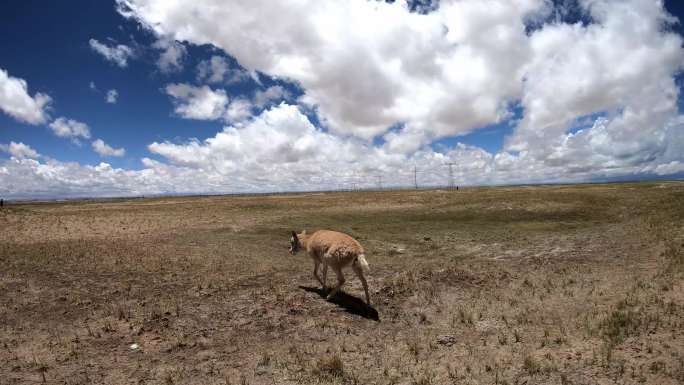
{"x": 451, "y": 175}
{"x": 415, "y": 177}
{"x": 380, "y": 182}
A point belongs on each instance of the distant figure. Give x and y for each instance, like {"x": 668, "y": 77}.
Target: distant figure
{"x": 456, "y": 188}
{"x": 2, "y": 202}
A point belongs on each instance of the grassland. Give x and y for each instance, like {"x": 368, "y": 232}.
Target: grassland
{"x": 526, "y": 285}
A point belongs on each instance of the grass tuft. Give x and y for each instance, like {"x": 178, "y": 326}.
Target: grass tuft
{"x": 330, "y": 365}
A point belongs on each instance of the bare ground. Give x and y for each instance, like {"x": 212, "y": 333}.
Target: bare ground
{"x": 527, "y": 285}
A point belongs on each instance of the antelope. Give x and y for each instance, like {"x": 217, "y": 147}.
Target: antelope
{"x": 334, "y": 249}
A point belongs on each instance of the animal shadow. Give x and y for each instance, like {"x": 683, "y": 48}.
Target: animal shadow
{"x": 348, "y": 302}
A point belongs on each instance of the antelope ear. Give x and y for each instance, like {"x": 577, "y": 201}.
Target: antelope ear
{"x": 303, "y": 232}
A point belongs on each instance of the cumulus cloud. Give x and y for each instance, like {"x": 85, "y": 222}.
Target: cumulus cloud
{"x": 281, "y": 150}
{"x": 597, "y": 99}
{"x": 112, "y": 96}
{"x": 623, "y": 64}
{"x": 673, "y": 167}
{"x": 280, "y": 135}
{"x": 204, "y": 103}
{"x": 269, "y": 95}
{"x": 238, "y": 110}
{"x": 374, "y": 69}
{"x": 117, "y": 54}
{"x": 16, "y": 102}
{"x": 200, "y": 103}
{"x": 19, "y": 150}
{"x": 368, "y": 65}
{"x": 69, "y": 128}
{"x": 171, "y": 56}
{"x": 30, "y": 178}
{"x": 217, "y": 70}
{"x": 104, "y": 149}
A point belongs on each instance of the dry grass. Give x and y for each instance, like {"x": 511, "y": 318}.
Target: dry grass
{"x": 536, "y": 285}
{"x": 329, "y": 365}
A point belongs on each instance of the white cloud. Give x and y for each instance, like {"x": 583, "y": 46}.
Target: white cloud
{"x": 622, "y": 64}
{"x": 200, "y": 103}
{"x": 271, "y": 94}
{"x": 172, "y": 55}
{"x": 69, "y": 128}
{"x": 670, "y": 168}
{"x": 104, "y": 149}
{"x": 17, "y": 103}
{"x": 277, "y": 150}
{"x": 29, "y": 178}
{"x": 598, "y": 99}
{"x": 280, "y": 150}
{"x": 204, "y": 103}
{"x": 92, "y": 86}
{"x": 212, "y": 70}
{"x": 279, "y": 135}
{"x": 117, "y": 54}
{"x": 19, "y": 150}
{"x": 112, "y": 96}
{"x": 238, "y": 110}
{"x": 217, "y": 70}
{"x": 368, "y": 67}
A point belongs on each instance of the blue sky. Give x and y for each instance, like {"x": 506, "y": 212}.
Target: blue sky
{"x": 423, "y": 88}
{"x": 56, "y": 59}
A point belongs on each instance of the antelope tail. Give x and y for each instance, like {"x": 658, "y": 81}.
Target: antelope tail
{"x": 361, "y": 261}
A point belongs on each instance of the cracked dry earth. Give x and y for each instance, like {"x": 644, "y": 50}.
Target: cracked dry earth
{"x": 520, "y": 285}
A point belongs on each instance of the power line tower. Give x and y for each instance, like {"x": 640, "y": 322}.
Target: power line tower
{"x": 415, "y": 177}
{"x": 451, "y": 175}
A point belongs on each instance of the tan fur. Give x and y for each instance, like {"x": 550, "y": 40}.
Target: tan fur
{"x": 336, "y": 250}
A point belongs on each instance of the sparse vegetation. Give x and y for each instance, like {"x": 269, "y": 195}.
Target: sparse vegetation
{"x": 531, "y": 365}
{"x": 329, "y": 365}
{"x": 535, "y": 285}
{"x": 620, "y": 324}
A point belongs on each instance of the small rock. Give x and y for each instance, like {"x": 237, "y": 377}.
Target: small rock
{"x": 447, "y": 340}
{"x": 134, "y": 347}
